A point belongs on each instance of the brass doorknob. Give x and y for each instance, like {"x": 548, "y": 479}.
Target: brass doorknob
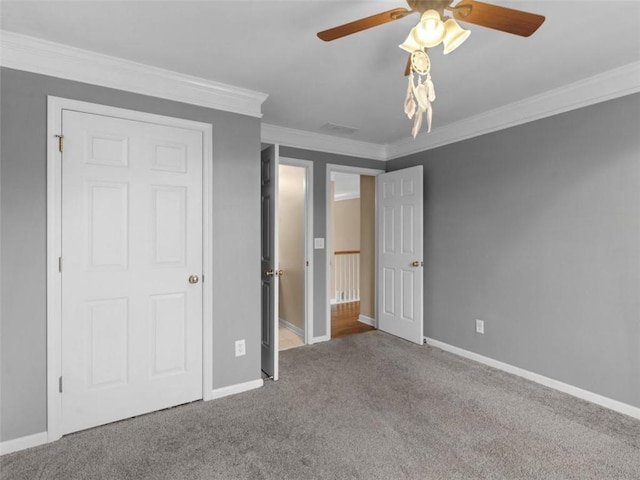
{"x": 268, "y": 273}
{"x": 279, "y": 273}
{"x": 193, "y": 279}
{"x": 415, "y": 264}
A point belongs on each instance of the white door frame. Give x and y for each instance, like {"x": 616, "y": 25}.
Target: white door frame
{"x": 55, "y": 105}
{"x": 328, "y": 247}
{"x": 308, "y": 242}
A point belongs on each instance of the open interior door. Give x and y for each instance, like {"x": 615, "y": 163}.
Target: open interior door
{"x": 400, "y": 261}
{"x": 269, "y": 255}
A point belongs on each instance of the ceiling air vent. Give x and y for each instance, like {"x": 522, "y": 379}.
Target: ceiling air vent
{"x": 336, "y": 129}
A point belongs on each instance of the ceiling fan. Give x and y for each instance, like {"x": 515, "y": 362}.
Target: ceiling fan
{"x": 487, "y": 15}
{"x": 434, "y": 28}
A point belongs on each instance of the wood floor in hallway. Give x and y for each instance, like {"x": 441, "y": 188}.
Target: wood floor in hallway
{"x": 344, "y": 320}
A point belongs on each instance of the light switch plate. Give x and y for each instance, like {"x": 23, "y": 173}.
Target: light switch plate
{"x": 318, "y": 243}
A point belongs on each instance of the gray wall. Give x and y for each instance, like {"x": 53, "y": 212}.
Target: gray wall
{"x": 320, "y": 161}
{"x": 536, "y": 230}
{"x": 236, "y": 262}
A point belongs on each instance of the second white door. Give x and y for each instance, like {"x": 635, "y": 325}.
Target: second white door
{"x": 400, "y": 262}
{"x": 131, "y": 268}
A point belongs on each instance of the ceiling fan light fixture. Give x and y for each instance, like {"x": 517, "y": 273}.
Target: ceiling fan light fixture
{"x": 455, "y": 35}
{"x": 430, "y": 30}
{"x": 410, "y": 45}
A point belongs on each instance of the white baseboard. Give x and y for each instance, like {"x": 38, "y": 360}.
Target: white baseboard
{"x": 290, "y": 326}
{"x": 541, "y": 379}
{"x": 233, "y": 389}
{"x": 41, "y": 438}
{"x": 21, "y": 443}
{"x": 366, "y": 320}
{"x": 323, "y": 338}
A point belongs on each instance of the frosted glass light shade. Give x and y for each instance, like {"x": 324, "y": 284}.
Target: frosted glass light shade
{"x": 430, "y": 30}
{"x": 410, "y": 45}
{"x": 455, "y": 35}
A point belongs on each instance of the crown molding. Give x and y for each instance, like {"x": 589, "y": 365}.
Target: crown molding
{"x": 35, "y": 55}
{"x": 599, "y": 88}
{"x": 31, "y": 54}
{"x": 346, "y": 196}
{"x": 322, "y": 143}
{"x": 605, "y": 86}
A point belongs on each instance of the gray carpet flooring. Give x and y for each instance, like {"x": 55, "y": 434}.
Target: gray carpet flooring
{"x": 369, "y": 406}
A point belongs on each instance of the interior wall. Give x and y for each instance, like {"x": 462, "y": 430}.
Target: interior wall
{"x": 320, "y": 161}
{"x": 291, "y": 194}
{"x": 346, "y": 225}
{"x": 236, "y": 244}
{"x": 367, "y": 245}
{"x": 536, "y": 230}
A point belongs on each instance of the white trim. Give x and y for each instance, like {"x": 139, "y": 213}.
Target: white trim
{"x": 23, "y": 52}
{"x": 21, "y": 443}
{"x": 207, "y": 263}
{"x": 541, "y": 379}
{"x": 331, "y": 167}
{"x": 275, "y": 284}
{"x": 320, "y": 339}
{"x": 599, "y": 88}
{"x": 237, "y": 388}
{"x": 54, "y": 285}
{"x": 291, "y": 327}
{"x": 366, "y": 320}
{"x": 55, "y": 105}
{"x": 308, "y": 248}
{"x": 346, "y": 196}
{"x": 292, "y": 137}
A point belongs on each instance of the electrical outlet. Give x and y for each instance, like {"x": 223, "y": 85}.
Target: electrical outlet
{"x": 479, "y": 326}
{"x": 240, "y": 348}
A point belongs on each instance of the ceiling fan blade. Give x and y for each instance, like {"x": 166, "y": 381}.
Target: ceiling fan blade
{"x": 363, "y": 24}
{"x": 499, "y": 18}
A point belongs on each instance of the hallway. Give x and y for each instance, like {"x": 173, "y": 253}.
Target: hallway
{"x": 344, "y": 320}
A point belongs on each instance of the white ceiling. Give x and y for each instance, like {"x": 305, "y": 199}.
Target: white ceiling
{"x": 271, "y": 47}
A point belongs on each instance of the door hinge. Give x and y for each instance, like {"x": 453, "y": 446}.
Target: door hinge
{"x": 60, "y": 142}
{"x": 307, "y": 263}
{"x": 60, "y": 264}
{"x": 60, "y": 384}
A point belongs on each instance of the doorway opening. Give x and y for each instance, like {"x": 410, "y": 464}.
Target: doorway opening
{"x": 351, "y": 250}
{"x": 287, "y": 281}
{"x": 294, "y": 251}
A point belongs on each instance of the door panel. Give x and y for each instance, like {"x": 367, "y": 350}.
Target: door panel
{"x": 269, "y": 220}
{"x": 108, "y": 223}
{"x": 108, "y": 337}
{"x": 169, "y": 225}
{"x": 168, "y": 334}
{"x": 131, "y": 237}
{"x": 400, "y": 231}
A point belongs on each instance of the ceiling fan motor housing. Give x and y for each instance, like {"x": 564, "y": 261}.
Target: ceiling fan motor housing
{"x": 424, "y": 5}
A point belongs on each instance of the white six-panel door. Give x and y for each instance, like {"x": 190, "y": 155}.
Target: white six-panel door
{"x": 131, "y": 238}
{"x": 400, "y": 243}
